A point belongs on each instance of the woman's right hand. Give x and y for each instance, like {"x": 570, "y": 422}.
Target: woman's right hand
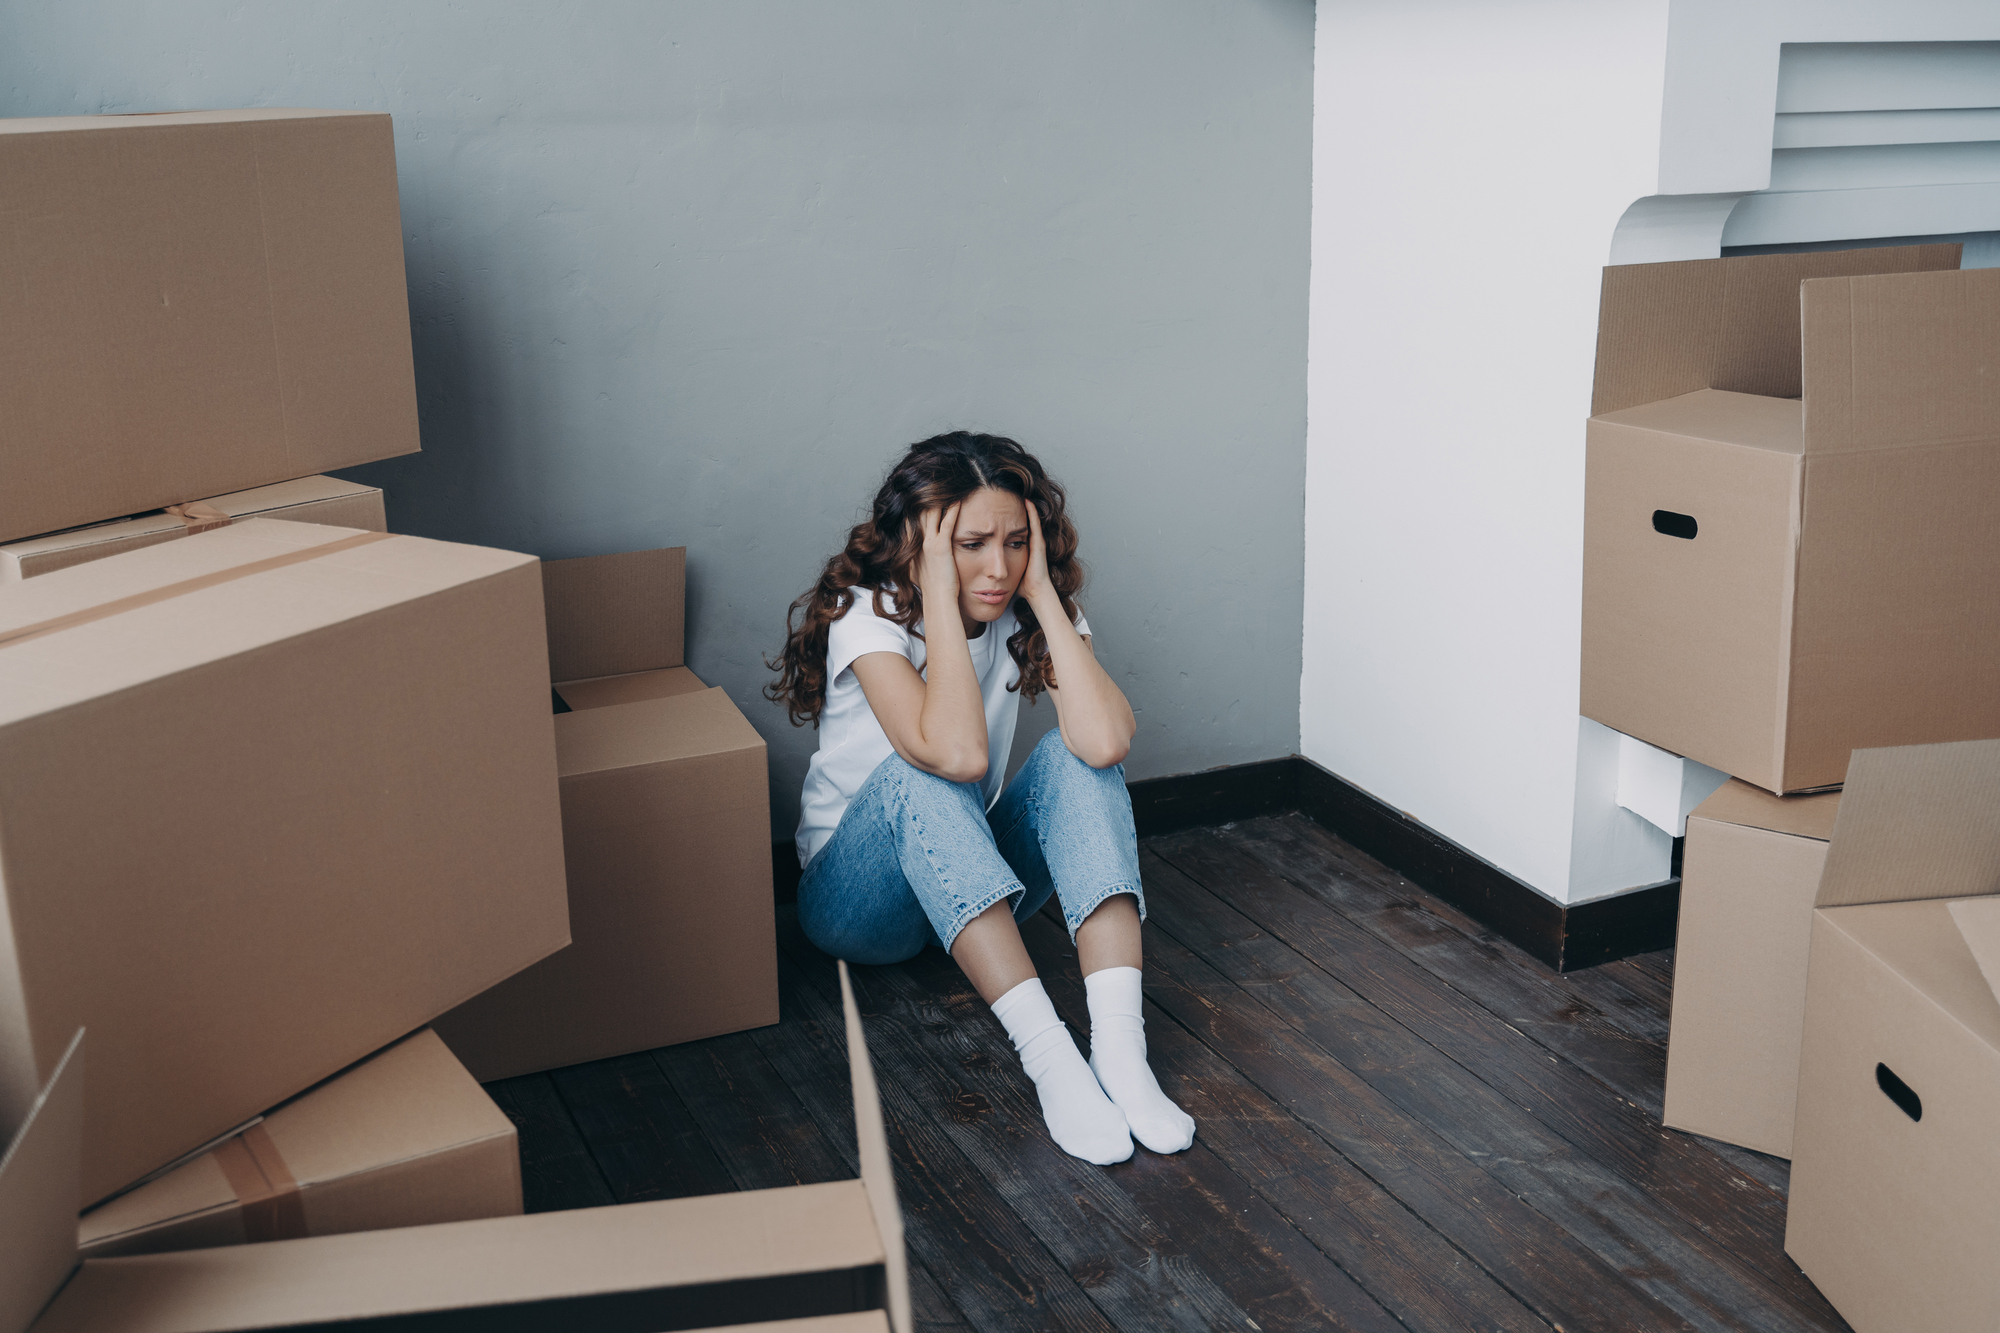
{"x": 937, "y": 568}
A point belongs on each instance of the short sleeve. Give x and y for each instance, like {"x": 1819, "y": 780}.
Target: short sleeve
{"x": 1082, "y": 625}
{"x": 861, "y": 631}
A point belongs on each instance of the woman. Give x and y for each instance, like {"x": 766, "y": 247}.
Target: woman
{"x": 906, "y": 836}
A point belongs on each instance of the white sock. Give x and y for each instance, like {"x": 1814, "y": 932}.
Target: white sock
{"x": 1080, "y": 1118}
{"x": 1118, "y": 1058}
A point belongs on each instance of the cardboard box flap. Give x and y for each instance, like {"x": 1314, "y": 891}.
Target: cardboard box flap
{"x": 1776, "y": 424}
{"x": 878, "y": 1175}
{"x": 614, "y": 614}
{"x": 1978, "y": 921}
{"x": 1916, "y": 822}
{"x": 634, "y": 687}
{"x": 1901, "y": 359}
{"x": 652, "y": 731}
{"x": 39, "y": 1183}
{"x": 1668, "y": 329}
{"x": 267, "y": 501}
{"x": 1737, "y": 802}
{"x": 64, "y": 124}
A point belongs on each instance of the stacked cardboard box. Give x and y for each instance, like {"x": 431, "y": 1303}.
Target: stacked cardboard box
{"x": 276, "y": 794}
{"x": 1789, "y": 560}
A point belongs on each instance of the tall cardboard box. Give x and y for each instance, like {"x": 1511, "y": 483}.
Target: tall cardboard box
{"x": 196, "y": 303}
{"x": 1895, "y": 1188}
{"x": 829, "y": 1256}
{"x": 403, "y": 1139}
{"x": 329, "y": 500}
{"x": 1789, "y": 545}
{"x": 666, "y": 833}
{"x": 1749, "y": 875}
{"x": 271, "y": 797}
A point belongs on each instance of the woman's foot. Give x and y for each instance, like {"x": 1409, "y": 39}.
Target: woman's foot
{"x": 1118, "y": 1058}
{"x": 1081, "y": 1119}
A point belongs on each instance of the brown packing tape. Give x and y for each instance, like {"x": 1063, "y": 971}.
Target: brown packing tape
{"x": 266, "y": 1190}
{"x": 200, "y": 516}
{"x": 119, "y": 606}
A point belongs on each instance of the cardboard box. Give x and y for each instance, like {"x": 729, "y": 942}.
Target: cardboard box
{"x": 666, "y": 833}
{"x": 403, "y": 1139}
{"x": 329, "y": 500}
{"x": 1789, "y": 546}
{"x": 809, "y": 1252}
{"x": 197, "y": 303}
{"x": 1749, "y": 874}
{"x": 271, "y": 797}
{"x": 1895, "y": 1187}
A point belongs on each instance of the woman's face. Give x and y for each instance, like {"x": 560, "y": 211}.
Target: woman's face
{"x": 992, "y": 548}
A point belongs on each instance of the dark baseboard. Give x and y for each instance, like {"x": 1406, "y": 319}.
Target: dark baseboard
{"x": 1566, "y": 938}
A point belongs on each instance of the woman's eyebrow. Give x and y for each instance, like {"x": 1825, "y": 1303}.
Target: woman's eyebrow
{"x": 975, "y": 536}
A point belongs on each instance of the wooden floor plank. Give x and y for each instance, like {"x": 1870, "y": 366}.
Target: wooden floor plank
{"x": 1274, "y": 1102}
{"x": 1496, "y": 974}
{"x": 756, "y": 1123}
{"x": 1586, "y": 1158}
{"x": 947, "y": 1050}
{"x": 980, "y": 1255}
{"x": 638, "y": 1131}
{"x": 557, "y": 1170}
{"x": 1298, "y": 1103}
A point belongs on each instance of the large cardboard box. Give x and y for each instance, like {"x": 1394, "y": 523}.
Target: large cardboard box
{"x": 402, "y": 1139}
{"x": 196, "y": 303}
{"x": 1749, "y": 874}
{"x": 329, "y": 500}
{"x": 666, "y": 832}
{"x": 1789, "y": 545}
{"x": 810, "y": 1253}
{"x": 271, "y": 797}
{"x": 1895, "y": 1188}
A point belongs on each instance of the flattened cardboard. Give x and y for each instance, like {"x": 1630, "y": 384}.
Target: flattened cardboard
{"x": 666, "y": 832}
{"x": 256, "y": 825}
{"x": 1895, "y": 1186}
{"x": 807, "y": 1252}
{"x": 610, "y": 615}
{"x": 637, "y": 687}
{"x": 199, "y": 303}
{"x": 329, "y": 500}
{"x": 1833, "y": 591}
{"x": 405, "y": 1138}
{"x": 1749, "y": 876}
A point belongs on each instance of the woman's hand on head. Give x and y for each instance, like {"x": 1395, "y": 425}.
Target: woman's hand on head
{"x": 1035, "y": 585}
{"x": 936, "y": 571}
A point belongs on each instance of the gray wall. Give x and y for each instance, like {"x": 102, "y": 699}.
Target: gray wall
{"x": 693, "y": 272}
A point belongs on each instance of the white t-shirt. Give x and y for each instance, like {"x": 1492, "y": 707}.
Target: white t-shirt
{"x": 851, "y": 740}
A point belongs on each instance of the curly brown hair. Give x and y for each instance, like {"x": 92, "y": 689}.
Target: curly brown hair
{"x": 880, "y": 552}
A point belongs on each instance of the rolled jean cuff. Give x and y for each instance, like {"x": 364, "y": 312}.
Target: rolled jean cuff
{"x": 1090, "y": 903}
{"x": 1012, "y": 890}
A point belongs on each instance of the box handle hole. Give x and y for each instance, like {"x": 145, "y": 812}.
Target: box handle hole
{"x": 1674, "y": 525}
{"x": 1899, "y": 1092}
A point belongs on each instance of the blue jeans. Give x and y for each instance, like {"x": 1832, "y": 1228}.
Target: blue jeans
{"x": 915, "y": 858}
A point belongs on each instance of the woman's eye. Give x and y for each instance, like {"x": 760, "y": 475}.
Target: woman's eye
{"x": 1019, "y": 544}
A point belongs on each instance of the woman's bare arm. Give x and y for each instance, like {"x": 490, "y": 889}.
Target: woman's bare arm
{"x": 939, "y": 723}
{"x": 1092, "y": 712}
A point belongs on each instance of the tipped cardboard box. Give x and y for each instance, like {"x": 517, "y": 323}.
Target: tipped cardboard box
{"x": 808, "y": 1252}
{"x": 197, "y": 303}
{"x": 1749, "y": 874}
{"x": 1895, "y": 1188}
{"x": 666, "y": 833}
{"x": 329, "y": 500}
{"x": 403, "y": 1139}
{"x": 1789, "y": 545}
{"x": 271, "y": 797}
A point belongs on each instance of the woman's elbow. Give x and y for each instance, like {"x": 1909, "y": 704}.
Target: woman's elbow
{"x": 1104, "y": 754}
{"x": 963, "y": 768}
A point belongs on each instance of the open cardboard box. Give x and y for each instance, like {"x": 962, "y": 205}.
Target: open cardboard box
{"x": 666, "y": 835}
{"x": 1749, "y": 877}
{"x": 271, "y": 797}
{"x": 343, "y": 504}
{"x": 806, "y": 1252}
{"x": 197, "y": 303}
{"x": 1895, "y": 1187}
{"x": 402, "y": 1139}
{"x": 1789, "y": 545}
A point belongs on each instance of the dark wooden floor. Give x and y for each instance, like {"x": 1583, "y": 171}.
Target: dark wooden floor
{"x": 1405, "y": 1123}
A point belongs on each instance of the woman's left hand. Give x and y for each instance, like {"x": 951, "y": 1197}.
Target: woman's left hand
{"x": 1035, "y": 584}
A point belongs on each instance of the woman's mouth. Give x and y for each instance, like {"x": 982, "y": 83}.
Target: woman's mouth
{"x": 993, "y": 598}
